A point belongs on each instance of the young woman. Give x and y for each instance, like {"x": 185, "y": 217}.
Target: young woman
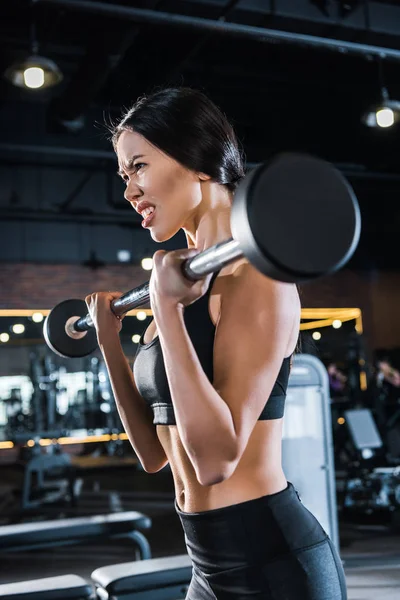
{"x": 208, "y": 388}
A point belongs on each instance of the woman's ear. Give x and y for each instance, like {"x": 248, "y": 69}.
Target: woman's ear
{"x": 203, "y": 177}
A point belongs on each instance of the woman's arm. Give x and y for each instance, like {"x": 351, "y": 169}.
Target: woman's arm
{"x": 215, "y": 420}
{"x": 203, "y": 419}
{"x": 135, "y": 415}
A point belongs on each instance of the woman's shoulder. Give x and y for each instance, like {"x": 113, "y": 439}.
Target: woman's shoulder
{"x": 231, "y": 272}
{"x": 252, "y": 288}
{"x": 241, "y": 270}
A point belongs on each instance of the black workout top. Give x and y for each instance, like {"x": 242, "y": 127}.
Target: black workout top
{"x": 151, "y": 379}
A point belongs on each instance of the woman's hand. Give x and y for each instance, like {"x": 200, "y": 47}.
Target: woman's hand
{"x": 104, "y": 320}
{"x": 168, "y": 286}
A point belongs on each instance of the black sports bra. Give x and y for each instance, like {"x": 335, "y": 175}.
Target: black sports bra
{"x": 151, "y": 379}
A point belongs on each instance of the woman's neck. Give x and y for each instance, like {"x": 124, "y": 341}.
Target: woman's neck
{"x": 210, "y": 224}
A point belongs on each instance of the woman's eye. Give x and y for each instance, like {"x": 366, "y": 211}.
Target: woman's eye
{"x": 135, "y": 169}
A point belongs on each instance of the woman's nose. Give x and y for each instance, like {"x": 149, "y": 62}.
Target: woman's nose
{"x": 132, "y": 192}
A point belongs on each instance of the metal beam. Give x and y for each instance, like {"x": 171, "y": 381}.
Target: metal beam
{"x": 124, "y": 218}
{"x": 95, "y": 167}
{"x": 139, "y": 15}
{"x": 59, "y": 151}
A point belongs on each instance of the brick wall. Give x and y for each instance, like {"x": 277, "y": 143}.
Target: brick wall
{"x": 27, "y": 285}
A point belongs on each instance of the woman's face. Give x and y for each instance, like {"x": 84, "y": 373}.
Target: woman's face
{"x": 154, "y": 177}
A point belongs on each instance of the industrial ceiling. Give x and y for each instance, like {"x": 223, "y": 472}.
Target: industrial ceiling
{"x": 292, "y": 75}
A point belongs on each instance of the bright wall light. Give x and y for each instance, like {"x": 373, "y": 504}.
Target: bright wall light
{"x": 316, "y": 335}
{"x": 37, "y": 317}
{"x": 18, "y": 328}
{"x": 337, "y": 323}
{"x": 147, "y": 264}
{"x": 4, "y": 337}
{"x": 135, "y": 339}
{"x": 141, "y": 315}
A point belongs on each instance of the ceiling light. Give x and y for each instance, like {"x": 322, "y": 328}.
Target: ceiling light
{"x": 34, "y": 72}
{"x": 387, "y": 112}
{"x": 385, "y": 117}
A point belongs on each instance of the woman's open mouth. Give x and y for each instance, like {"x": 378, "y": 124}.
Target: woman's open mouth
{"x": 148, "y": 217}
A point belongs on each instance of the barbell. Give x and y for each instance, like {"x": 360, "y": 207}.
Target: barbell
{"x": 295, "y": 218}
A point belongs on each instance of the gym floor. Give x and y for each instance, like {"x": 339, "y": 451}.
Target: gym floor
{"x": 371, "y": 552}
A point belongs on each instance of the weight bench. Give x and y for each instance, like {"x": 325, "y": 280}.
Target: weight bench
{"x": 64, "y": 587}
{"x": 155, "y": 579}
{"x": 47, "y": 478}
{"x": 62, "y": 532}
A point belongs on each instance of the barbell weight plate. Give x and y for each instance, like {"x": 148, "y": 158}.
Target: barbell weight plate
{"x": 57, "y": 338}
{"x": 296, "y": 218}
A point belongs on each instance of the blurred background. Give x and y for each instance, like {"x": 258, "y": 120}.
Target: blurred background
{"x": 314, "y": 76}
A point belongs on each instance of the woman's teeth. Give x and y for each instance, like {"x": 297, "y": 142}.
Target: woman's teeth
{"x": 147, "y": 211}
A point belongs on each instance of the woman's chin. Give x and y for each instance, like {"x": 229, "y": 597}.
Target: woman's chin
{"x": 160, "y": 236}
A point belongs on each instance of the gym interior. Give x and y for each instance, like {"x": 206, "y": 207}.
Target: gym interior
{"x": 79, "y": 516}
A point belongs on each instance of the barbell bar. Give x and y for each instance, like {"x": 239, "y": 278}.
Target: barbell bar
{"x": 295, "y": 218}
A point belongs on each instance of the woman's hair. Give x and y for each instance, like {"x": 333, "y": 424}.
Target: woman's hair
{"x": 186, "y": 125}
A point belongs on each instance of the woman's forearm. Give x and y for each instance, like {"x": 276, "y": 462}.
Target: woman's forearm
{"x": 203, "y": 419}
{"x": 135, "y": 415}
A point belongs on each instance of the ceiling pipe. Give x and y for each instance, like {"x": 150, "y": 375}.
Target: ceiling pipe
{"x": 59, "y": 151}
{"x": 140, "y": 15}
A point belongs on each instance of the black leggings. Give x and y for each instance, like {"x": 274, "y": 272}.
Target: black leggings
{"x": 270, "y": 548}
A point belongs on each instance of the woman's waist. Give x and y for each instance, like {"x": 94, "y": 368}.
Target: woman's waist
{"x": 242, "y": 486}
{"x": 259, "y": 472}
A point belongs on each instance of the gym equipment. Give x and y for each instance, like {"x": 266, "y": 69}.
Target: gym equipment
{"x": 61, "y": 532}
{"x": 294, "y": 218}
{"x": 369, "y": 488}
{"x": 44, "y": 399}
{"x": 156, "y": 579}
{"x": 307, "y": 447}
{"x": 39, "y": 478}
{"x": 375, "y": 491}
{"x": 60, "y": 339}
{"x": 363, "y": 430}
{"x": 48, "y": 478}
{"x": 63, "y": 587}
